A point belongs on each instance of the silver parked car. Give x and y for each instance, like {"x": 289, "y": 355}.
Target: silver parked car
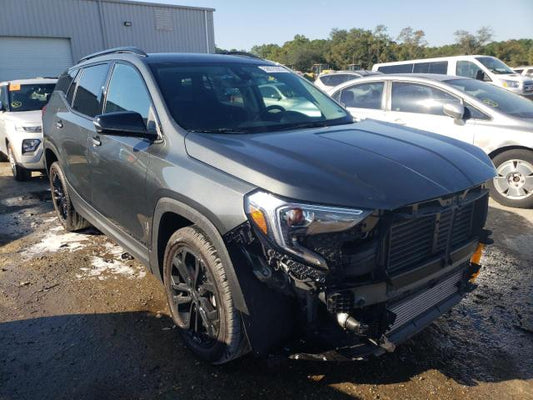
{"x": 328, "y": 81}
{"x": 499, "y": 122}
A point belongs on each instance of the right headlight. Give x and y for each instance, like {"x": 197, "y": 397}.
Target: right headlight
{"x": 511, "y": 84}
{"x": 287, "y": 222}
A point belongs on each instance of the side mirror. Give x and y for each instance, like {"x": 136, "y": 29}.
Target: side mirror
{"x": 123, "y": 123}
{"x": 454, "y": 110}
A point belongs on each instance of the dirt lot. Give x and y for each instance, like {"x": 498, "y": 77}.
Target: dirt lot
{"x": 78, "y": 320}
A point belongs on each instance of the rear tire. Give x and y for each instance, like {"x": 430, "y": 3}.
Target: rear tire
{"x": 19, "y": 173}
{"x": 67, "y": 215}
{"x": 200, "y": 299}
{"x": 513, "y": 186}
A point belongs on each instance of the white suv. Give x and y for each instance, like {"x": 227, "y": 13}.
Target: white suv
{"x": 21, "y": 136}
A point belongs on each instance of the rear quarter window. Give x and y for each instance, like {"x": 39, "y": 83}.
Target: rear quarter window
{"x": 65, "y": 80}
{"x": 88, "y": 96}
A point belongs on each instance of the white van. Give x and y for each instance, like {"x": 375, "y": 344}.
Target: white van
{"x": 483, "y": 68}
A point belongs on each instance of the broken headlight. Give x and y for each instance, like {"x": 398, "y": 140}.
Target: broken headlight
{"x": 286, "y": 223}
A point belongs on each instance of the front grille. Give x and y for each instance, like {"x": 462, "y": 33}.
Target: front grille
{"x": 413, "y": 240}
{"x": 407, "y": 310}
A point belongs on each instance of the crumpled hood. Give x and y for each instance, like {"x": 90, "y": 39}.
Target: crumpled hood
{"x": 369, "y": 164}
{"x": 26, "y": 118}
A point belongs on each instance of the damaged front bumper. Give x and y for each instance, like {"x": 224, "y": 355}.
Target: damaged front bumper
{"x": 382, "y": 285}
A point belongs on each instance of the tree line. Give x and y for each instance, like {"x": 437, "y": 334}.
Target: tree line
{"x": 364, "y": 48}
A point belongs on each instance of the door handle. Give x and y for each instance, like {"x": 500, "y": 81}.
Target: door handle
{"x": 96, "y": 141}
{"x": 399, "y": 121}
{"x": 59, "y": 124}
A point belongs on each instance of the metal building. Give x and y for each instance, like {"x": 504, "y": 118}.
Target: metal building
{"x": 43, "y": 37}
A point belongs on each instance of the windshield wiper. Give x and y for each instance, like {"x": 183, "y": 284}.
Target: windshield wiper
{"x": 219, "y": 130}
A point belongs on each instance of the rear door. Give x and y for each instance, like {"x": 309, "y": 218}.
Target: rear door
{"x": 363, "y": 100}
{"x": 75, "y": 126}
{"x": 119, "y": 163}
{"x": 421, "y": 106}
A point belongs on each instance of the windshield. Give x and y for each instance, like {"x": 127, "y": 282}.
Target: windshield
{"x": 494, "y": 65}
{"x": 495, "y": 97}
{"x": 29, "y": 97}
{"x": 242, "y": 98}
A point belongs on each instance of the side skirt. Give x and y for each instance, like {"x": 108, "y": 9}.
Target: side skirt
{"x": 100, "y": 222}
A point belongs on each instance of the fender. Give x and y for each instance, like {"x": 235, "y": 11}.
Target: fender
{"x": 165, "y": 205}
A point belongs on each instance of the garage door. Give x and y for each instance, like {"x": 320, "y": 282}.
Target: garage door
{"x": 25, "y": 57}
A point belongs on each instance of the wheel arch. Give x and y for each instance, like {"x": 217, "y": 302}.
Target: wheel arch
{"x": 170, "y": 215}
{"x": 501, "y": 150}
{"x": 49, "y": 158}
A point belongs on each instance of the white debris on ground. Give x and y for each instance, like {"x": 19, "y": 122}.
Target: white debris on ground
{"x": 111, "y": 266}
{"x": 107, "y": 264}
{"x": 57, "y": 239}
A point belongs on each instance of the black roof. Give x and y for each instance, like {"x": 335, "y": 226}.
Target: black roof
{"x": 192, "y": 58}
{"x": 182, "y": 58}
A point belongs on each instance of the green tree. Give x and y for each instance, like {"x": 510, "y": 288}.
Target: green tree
{"x": 412, "y": 44}
{"x": 473, "y": 43}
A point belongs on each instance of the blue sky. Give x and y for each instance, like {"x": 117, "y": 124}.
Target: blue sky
{"x": 241, "y": 24}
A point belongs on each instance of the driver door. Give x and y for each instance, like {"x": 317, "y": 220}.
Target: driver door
{"x": 119, "y": 163}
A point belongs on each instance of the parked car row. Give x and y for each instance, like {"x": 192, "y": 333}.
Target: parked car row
{"x": 483, "y": 68}
{"x": 494, "y": 119}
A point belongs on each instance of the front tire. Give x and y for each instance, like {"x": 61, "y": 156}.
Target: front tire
{"x": 200, "y": 299}
{"x": 19, "y": 173}
{"x": 513, "y": 186}
{"x": 67, "y": 215}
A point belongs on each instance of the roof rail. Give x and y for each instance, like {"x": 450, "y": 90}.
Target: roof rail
{"x": 240, "y": 53}
{"x": 128, "y": 49}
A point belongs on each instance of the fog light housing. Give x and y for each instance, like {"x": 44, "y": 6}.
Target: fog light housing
{"x": 30, "y": 145}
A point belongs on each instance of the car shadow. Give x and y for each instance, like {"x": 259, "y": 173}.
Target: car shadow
{"x": 137, "y": 355}
{"x": 127, "y": 356}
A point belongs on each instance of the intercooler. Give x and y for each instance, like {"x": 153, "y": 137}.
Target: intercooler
{"x": 408, "y": 309}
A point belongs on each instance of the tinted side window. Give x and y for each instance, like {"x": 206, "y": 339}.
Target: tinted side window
{"x": 367, "y": 95}
{"x": 414, "y": 98}
{"x": 440, "y": 67}
{"x": 72, "y": 88}
{"x": 64, "y": 81}
{"x": 396, "y": 69}
{"x": 127, "y": 92}
{"x": 88, "y": 98}
{"x": 474, "y": 113}
{"x": 468, "y": 69}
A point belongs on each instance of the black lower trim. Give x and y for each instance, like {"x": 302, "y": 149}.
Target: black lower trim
{"x": 100, "y": 222}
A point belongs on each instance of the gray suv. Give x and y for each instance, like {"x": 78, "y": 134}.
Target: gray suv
{"x": 272, "y": 229}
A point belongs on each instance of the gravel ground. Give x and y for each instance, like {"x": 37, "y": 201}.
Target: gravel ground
{"x": 81, "y": 320}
